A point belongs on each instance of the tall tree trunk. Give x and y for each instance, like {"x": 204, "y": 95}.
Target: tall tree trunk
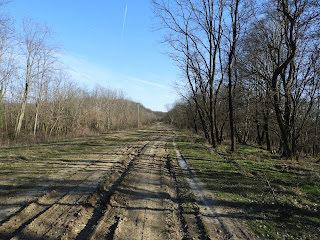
{"x": 279, "y": 72}
{"x": 234, "y": 16}
{"x": 215, "y": 104}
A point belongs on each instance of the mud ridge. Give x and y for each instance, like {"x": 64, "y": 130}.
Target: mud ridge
{"x": 113, "y": 228}
{"x": 104, "y": 200}
{"x": 184, "y": 224}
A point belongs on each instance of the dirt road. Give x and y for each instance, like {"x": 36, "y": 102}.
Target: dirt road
{"x": 129, "y": 192}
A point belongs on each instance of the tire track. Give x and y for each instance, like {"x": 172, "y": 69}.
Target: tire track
{"x": 52, "y": 214}
{"x": 105, "y": 196}
{"x": 141, "y": 206}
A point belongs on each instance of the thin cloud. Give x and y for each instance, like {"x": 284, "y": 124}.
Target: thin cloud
{"x": 82, "y": 70}
{"x": 157, "y": 85}
{"x": 124, "y": 21}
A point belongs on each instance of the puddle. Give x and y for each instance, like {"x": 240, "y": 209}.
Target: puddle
{"x": 183, "y": 163}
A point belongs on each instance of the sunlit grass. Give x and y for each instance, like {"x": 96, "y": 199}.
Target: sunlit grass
{"x": 287, "y": 209}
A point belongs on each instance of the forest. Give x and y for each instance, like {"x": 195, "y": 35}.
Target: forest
{"x": 40, "y": 100}
{"x": 250, "y": 71}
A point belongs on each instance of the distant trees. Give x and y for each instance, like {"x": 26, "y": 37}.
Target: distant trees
{"x": 266, "y": 78}
{"x": 37, "y": 98}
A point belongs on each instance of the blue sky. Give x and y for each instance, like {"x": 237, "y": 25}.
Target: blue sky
{"x": 101, "y": 48}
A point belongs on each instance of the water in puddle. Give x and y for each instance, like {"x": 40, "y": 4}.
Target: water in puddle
{"x": 183, "y": 164}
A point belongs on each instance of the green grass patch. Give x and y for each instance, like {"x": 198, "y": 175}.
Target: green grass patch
{"x": 289, "y": 209}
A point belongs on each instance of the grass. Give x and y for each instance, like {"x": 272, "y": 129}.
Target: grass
{"x": 287, "y": 209}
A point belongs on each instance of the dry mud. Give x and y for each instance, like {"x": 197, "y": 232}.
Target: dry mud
{"x": 130, "y": 194}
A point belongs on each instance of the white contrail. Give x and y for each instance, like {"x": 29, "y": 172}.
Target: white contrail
{"x": 124, "y": 21}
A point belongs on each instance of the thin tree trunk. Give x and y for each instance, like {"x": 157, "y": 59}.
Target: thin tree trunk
{"x": 194, "y": 117}
{"x": 266, "y": 130}
{"x": 231, "y": 115}
{"x": 36, "y": 119}
{"x": 221, "y": 132}
{"x": 203, "y": 124}
{"x": 22, "y": 110}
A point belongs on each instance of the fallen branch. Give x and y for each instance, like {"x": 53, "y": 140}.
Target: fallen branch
{"x": 272, "y": 190}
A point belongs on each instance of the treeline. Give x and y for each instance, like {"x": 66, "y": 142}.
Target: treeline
{"x": 38, "y": 99}
{"x": 251, "y": 71}
{"x": 70, "y": 110}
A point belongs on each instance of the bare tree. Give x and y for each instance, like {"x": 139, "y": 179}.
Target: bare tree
{"x": 194, "y": 33}
{"x": 6, "y": 60}
{"x": 45, "y": 68}
{"x": 33, "y": 42}
{"x": 234, "y": 10}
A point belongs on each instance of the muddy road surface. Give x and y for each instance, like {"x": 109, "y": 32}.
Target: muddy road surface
{"x": 129, "y": 192}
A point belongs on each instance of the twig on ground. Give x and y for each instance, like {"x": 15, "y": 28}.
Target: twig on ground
{"x": 272, "y": 190}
